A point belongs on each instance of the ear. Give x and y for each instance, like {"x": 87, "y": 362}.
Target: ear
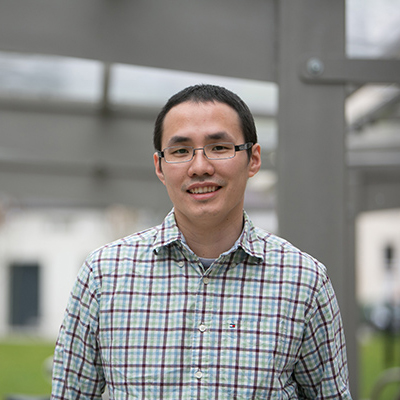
{"x": 255, "y": 160}
{"x": 157, "y": 167}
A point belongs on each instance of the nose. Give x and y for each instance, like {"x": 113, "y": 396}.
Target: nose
{"x": 200, "y": 164}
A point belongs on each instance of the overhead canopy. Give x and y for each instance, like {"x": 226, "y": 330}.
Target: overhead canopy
{"x": 228, "y": 38}
{"x": 77, "y": 64}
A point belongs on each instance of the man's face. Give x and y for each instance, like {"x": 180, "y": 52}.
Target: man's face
{"x": 204, "y": 190}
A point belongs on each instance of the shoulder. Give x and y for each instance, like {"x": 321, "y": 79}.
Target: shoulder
{"x": 120, "y": 256}
{"x": 287, "y": 259}
{"x": 127, "y": 244}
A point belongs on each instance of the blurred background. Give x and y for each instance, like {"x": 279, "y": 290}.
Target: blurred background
{"x": 80, "y": 87}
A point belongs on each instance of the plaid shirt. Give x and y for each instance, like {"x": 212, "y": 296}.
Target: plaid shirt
{"x": 146, "y": 319}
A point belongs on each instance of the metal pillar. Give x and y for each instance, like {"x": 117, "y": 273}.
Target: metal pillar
{"x": 311, "y": 162}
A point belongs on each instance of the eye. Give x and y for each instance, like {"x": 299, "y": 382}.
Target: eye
{"x": 181, "y": 151}
{"x": 178, "y": 151}
{"x": 220, "y": 147}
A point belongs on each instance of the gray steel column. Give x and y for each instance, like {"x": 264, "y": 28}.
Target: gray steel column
{"x": 311, "y": 151}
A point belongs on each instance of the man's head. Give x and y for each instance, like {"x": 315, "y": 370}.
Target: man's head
{"x": 204, "y": 94}
{"x": 202, "y": 135}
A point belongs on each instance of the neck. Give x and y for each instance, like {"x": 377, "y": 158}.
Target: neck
{"x": 210, "y": 240}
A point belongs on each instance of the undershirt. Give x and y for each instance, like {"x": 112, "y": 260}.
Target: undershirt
{"x": 206, "y": 262}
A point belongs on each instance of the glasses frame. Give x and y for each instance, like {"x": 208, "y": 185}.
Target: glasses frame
{"x": 239, "y": 147}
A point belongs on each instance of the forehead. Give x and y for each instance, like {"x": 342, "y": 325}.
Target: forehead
{"x": 191, "y": 122}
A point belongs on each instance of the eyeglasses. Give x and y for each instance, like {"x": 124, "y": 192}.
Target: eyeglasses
{"x": 214, "y": 151}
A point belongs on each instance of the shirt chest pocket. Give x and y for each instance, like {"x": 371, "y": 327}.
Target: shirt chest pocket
{"x": 250, "y": 335}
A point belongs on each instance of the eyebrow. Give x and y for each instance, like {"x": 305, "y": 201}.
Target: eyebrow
{"x": 212, "y": 136}
{"x": 177, "y": 140}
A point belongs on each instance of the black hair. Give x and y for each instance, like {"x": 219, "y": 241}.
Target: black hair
{"x": 208, "y": 93}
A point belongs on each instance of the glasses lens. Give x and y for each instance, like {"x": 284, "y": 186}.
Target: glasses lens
{"x": 178, "y": 153}
{"x": 214, "y": 151}
{"x": 217, "y": 151}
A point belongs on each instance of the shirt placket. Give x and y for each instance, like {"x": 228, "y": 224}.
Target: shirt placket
{"x": 205, "y": 289}
{"x": 200, "y": 349}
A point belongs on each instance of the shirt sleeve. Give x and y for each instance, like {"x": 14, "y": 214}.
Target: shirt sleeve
{"x": 321, "y": 372}
{"x": 77, "y": 368}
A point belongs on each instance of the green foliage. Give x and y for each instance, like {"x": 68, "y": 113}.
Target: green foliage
{"x": 378, "y": 353}
{"x": 22, "y": 367}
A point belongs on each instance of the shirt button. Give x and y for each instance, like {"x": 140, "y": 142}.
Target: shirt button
{"x": 206, "y": 281}
{"x": 181, "y": 264}
{"x": 198, "y": 374}
{"x": 202, "y": 328}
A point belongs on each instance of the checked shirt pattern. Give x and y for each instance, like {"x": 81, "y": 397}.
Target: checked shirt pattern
{"x": 147, "y": 320}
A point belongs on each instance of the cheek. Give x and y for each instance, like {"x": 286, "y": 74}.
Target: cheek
{"x": 173, "y": 180}
{"x": 238, "y": 174}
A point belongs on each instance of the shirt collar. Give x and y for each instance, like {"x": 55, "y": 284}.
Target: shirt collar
{"x": 168, "y": 233}
{"x": 249, "y": 240}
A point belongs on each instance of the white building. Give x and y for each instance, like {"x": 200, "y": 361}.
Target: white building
{"x": 41, "y": 252}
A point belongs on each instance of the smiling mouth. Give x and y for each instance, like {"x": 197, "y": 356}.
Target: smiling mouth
{"x": 202, "y": 190}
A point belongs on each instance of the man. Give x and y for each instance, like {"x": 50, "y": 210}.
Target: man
{"x": 206, "y": 305}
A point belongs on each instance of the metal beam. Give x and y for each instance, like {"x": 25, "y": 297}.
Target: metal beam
{"x": 105, "y": 97}
{"x": 374, "y": 159}
{"x": 324, "y": 69}
{"x": 78, "y": 158}
{"x": 378, "y": 189}
{"x": 381, "y": 110}
{"x": 311, "y": 152}
{"x": 226, "y": 37}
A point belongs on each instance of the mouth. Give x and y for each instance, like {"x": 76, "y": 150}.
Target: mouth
{"x": 203, "y": 190}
